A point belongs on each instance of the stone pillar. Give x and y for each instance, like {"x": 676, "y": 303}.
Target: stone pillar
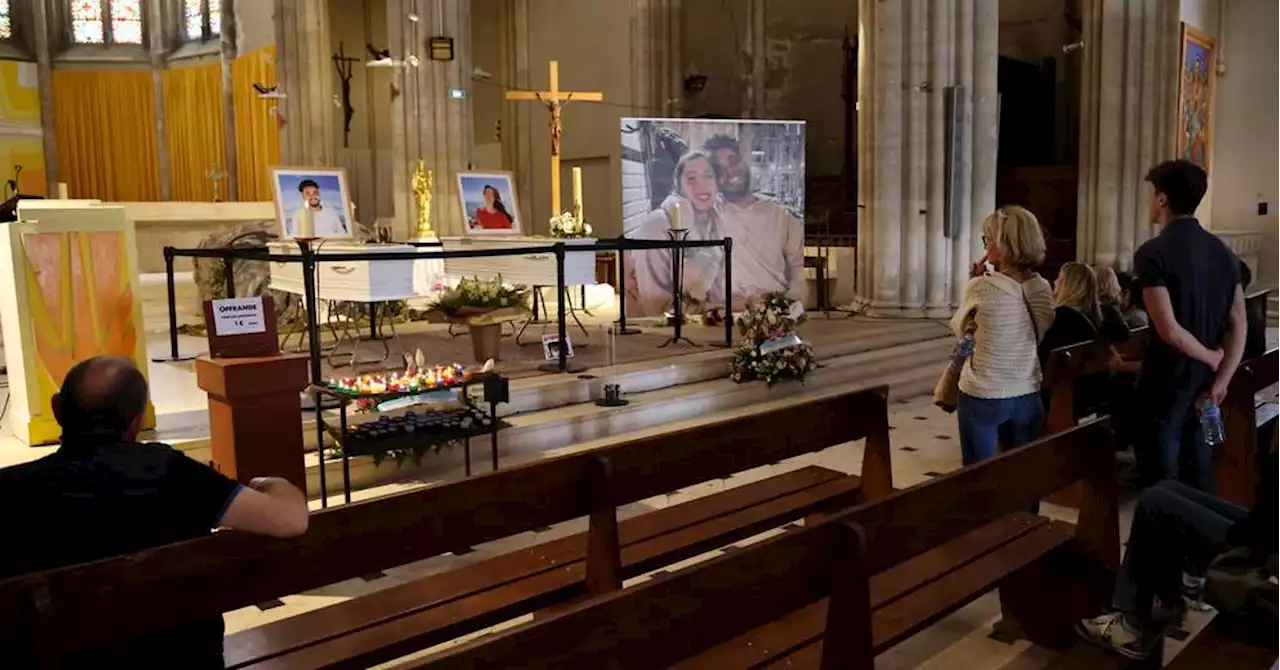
{"x": 44, "y": 74}
{"x": 655, "y": 36}
{"x": 1127, "y": 108}
{"x": 304, "y": 74}
{"x": 912, "y": 53}
{"x": 425, "y": 122}
{"x": 227, "y": 56}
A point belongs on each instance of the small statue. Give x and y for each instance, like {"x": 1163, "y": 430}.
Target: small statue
{"x": 423, "y": 180}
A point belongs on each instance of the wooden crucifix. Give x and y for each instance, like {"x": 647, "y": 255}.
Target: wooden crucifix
{"x": 554, "y": 99}
{"x": 343, "y": 64}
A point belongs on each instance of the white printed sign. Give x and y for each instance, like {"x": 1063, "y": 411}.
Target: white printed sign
{"x": 238, "y": 316}
{"x": 551, "y": 347}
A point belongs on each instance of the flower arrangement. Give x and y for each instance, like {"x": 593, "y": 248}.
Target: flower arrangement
{"x": 471, "y": 295}
{"x": 770, "y": 350}
{"x": 567, "y": 226}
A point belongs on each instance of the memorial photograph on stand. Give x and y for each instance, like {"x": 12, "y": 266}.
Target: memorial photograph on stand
{"x": 312, "y": 202}
{"x": 711, "y": 179}
{"x": 489, "y": 202}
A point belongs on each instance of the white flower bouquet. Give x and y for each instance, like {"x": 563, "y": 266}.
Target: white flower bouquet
{"x": 771, "y": 351}
{"x": 567, "y": 226}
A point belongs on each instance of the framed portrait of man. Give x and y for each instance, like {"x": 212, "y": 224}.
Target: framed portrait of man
{"x": 489, "y": 203}
{"x": 313, "y": 202}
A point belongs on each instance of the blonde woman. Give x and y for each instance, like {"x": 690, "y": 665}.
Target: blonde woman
{"x": 1076, "y": 314}
{"x": 1008, "y": 309}
{"x": 1114, "y": 327}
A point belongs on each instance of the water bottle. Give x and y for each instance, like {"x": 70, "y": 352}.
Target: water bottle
{"x": 1211, "y": 423}
{"x": 963, "y": 348}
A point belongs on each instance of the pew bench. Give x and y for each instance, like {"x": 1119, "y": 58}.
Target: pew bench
{"x": 47, "y": 615}
{"x": 1244, "y": 417}
{"x": 872, "y": 575}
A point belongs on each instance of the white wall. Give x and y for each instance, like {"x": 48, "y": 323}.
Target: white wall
{"x": 1246, "y": 117}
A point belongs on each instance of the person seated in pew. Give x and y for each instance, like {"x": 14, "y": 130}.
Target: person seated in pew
{"x": 1131, "y": 301}
{"x": 1255, "y": 339}
{"x": 1114, "y": 326}
{"x": 103, "y": 493}
{"x": 1176, "y": 532}
{"x": 1077, "y": 318}
{"x": 1191, "y": 290}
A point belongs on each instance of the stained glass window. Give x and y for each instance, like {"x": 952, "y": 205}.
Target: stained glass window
{"x": 6, "y": 28}
{"x": 215, "y": 17}
{"x": 126, "y": 21}
{"x": 86, "y": 22}
{"x": 194, "y": 19}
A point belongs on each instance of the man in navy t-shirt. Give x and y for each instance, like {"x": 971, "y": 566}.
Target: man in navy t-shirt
{"x": 104, "y": 494}
{"x": 1191, "y": 289}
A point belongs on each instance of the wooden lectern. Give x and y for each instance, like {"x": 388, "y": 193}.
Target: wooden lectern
{"x": 255, "y": 423}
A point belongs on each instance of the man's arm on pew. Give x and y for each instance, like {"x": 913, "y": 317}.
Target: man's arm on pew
{"x": 1160, "y": 309}
{"x": 1232, "y": 348}
{"x": 268, "y": 506}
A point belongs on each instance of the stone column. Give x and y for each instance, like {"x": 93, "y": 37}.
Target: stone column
{"x": 655, "y": 36}
{"x": 912, "y": 53}
{"x": 1127, "y": 109}
{"x": 44, "y": 74}
{"x": 155, "y": 45}
{"x": 227, "y": 54}
{"x": 305, "y": 76}
{"x": 426, "y": 123}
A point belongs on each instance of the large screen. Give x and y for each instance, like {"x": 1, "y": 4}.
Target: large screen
{"x": 716, "y": 179}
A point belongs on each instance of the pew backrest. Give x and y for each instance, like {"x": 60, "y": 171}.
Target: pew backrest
{"x": 173, "y": 584}
{"x": 675, "y": 616}
{"x": 1236, "y": 463}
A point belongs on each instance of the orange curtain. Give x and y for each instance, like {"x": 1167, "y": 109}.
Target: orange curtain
{"x": 194, "y": 130}
{"x": 257, "y": 130}
{"x": 106, "y": 129}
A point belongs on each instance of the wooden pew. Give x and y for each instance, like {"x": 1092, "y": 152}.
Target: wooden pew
{"x": 1255, "y": 304}
{"x": 62, "y": 611}
{"x": 1066, "y": 367}
{"x": 914, "y": 557}
{"x": 1235, "y": 463}
{"x": 1217, "y": 647}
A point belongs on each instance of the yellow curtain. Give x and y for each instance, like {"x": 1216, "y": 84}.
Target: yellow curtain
{"x": 105, "y": 125}
{"x": 257, "y": 130}
{"x": 194, "y": 129}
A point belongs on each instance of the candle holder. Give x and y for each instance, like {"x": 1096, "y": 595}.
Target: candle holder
{"x": 677, "y": 288}
{"x": 612, "y": 397}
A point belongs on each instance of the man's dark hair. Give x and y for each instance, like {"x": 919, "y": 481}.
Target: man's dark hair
{"x": 1183, "y": 184}
{"x": 1126, "y": 281}
{"x": 101, "y": 396}
{"x": 719, "y": 141}
{"x": 307, "y": 182}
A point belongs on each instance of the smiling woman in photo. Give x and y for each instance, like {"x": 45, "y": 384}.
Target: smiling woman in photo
{"x": 696, "y": 201}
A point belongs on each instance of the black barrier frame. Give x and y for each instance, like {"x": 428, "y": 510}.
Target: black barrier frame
{"x": 309, "y": 259}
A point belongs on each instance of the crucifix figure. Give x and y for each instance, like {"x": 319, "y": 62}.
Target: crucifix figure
{"x": 342, "y": 63}
{"x": 554, "y": 100}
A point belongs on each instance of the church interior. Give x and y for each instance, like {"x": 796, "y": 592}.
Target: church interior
{"x": 691, "y": 447}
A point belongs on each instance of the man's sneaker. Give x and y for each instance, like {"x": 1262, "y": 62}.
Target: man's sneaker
{"x": 1110, "y": 631}
{"x": 1193, "y": 589}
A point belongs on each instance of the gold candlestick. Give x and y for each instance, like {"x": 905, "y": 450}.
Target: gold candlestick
{"x": 423, "y": 180}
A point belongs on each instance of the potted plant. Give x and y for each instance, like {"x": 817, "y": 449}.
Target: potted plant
{"x": 483, "y": 305}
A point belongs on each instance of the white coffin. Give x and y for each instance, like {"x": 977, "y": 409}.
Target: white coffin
{"x": 532, "y": 269}
{"x": 354, "y": 281}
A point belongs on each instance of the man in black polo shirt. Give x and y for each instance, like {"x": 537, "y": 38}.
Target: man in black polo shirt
{"x": 1191, "y": 288}
{"x": 104, "y": 494}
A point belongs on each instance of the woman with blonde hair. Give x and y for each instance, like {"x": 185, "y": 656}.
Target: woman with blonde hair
{"x": 1006, "y": 309}
{"x": 1114, "y": 326}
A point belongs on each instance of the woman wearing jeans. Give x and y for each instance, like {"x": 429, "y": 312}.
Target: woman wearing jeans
{"x": 1010, "y": 308}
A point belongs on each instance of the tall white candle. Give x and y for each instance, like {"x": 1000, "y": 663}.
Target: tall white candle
{"x": 307, "y": 226}
{"x": 577, "y": 193}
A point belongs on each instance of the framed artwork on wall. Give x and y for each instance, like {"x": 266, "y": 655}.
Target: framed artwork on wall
{"x": 1195, "y": 96}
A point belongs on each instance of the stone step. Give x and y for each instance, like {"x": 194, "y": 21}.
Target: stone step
{"x": 910, "y": 370}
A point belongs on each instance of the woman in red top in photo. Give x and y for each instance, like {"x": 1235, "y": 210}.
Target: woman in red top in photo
{"x": 493, "y": 215}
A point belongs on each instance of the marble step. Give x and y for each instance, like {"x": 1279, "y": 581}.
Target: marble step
{"x": 910, "y": 370}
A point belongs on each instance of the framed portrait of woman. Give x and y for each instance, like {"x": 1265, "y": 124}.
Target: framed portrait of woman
{"x": 489, "y": 203}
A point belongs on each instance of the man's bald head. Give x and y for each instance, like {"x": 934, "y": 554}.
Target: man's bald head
{"x": 102, "y": 396}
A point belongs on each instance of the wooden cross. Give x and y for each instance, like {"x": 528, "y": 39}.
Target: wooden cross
{"x": 554, "y": 100}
